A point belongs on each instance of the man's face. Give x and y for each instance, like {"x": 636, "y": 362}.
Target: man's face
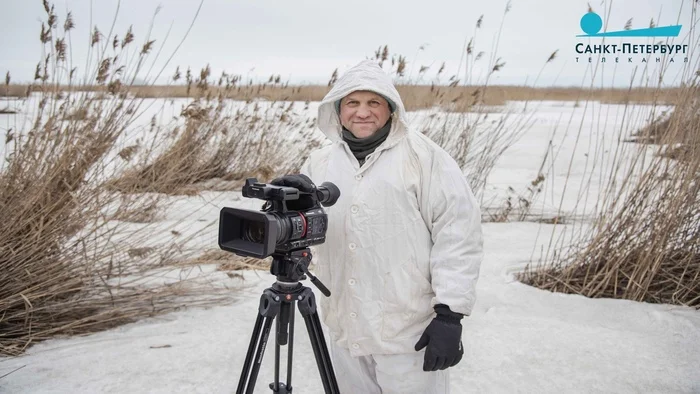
{"x": 363, "y": 113}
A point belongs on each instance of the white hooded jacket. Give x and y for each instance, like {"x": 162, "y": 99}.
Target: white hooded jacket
{"x": 404, "y": 235}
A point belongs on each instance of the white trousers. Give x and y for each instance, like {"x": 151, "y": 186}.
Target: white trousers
{"x": 386, "y": 374}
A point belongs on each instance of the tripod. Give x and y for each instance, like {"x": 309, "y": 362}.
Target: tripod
{"x": 277, "y": 302}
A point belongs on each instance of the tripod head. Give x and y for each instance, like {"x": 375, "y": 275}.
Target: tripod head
{"x": 293, "y": 266}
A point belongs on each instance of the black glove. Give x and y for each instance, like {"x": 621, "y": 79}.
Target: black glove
{"x": 303, "y": 184}
{"x": 298, "y": 181}
{"x": 443, "y": 339}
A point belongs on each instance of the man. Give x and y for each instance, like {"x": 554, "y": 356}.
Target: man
{"x": 403, "y": 246}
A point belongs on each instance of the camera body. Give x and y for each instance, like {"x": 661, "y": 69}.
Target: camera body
{"x": 289, "y": 220}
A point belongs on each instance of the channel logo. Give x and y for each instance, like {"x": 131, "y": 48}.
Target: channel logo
{"x": 591, "y": 23}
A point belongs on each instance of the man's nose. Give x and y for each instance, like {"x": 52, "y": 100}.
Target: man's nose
{"x": 363, "y": 112}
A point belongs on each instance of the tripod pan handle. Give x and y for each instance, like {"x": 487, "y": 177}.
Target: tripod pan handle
{"x": 320, "y": 286}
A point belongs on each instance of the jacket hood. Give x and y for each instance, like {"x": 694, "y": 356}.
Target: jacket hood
{"x": 366, "y": 75}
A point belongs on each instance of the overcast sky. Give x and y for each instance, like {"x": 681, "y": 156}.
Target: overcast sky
{"x": 304, "y": 41}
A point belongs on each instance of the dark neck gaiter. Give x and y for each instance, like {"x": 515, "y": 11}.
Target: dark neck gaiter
{"x": 361, "y": 147}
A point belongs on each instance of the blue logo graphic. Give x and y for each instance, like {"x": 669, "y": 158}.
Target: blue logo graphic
{"x": 591, "y": 23}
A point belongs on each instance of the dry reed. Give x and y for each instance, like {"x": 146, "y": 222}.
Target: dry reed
{"x": 220, "y": 145}
{"x": 416, "y": 96}
{"x": 65, "y": 271}
{"x": 645, "y": 244}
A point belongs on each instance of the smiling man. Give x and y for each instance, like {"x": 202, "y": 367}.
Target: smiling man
{"x": 403, "y": 245}
{"x": 364, "y": 112}
{"x": 365, "y": 117}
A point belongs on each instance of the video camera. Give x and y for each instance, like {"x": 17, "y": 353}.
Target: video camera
{"x": 289, "y": 220}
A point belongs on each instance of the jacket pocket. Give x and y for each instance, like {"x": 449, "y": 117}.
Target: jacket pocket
{"x": 407, "y": 296}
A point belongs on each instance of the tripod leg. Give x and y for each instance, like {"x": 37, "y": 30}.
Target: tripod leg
{"x": 275, "y": 385}
{"x": 317, "y": 354}
{"x": 281, "y": 339}
{"x": 291, "y": 347}
{"x": 249, "y": 355}
{"x": 325, "y": 355}
{"x": 259, "y": 354}
{"x": 307, "y": 307}
{"x": 268, "y": 310}
{"x": 287, "y": 337}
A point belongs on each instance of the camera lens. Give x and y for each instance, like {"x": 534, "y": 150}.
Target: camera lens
{"x": 254, "y": 232}
{"x": 292, "y": 227}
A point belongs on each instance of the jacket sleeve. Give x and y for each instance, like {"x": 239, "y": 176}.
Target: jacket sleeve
{"x": 314, "y": 165}
{"x": 454, "y": 218}
{"x": 306, "y": 167}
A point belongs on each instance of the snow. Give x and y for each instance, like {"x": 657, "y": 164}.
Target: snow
{"x": 519, "y": 338}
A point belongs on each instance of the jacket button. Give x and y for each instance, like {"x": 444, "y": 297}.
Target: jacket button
{"x": 354, "y": 209}
{"x": 358, "y": 177}
{"x": 352, "y": 246}
{"x": 352, "y": 282}
{"x": 355, "y": 346}
{"x": 353, "y": 315}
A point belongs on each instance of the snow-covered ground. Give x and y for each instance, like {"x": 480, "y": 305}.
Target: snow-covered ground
{"x": 519, "y": 339}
